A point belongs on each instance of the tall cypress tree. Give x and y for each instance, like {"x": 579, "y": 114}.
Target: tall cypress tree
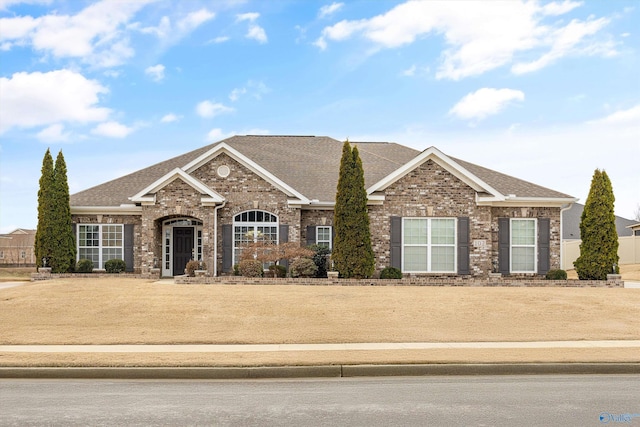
{"x": 352, "y": 252}
{"x": 64, "y": 252}
{"x": 44, "y": 243}
{"x": 599, "y": 247}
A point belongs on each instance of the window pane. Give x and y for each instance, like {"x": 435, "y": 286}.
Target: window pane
{"x": 523, "y": 232}
{"x": 442, "y": 258}
{"x": 523, "y": 259}
{"x": 415, "y": 258}
{"x": 443, "y": 231}
{"x": 90, "y": 253}
{"x": 415, "y": 231}
{"x": 111, "y": 253}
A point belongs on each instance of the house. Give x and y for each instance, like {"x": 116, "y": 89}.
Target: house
{"x": 429, "y": 213}
{"x": 571, "y": 223}
{"x": 17, "y": 248}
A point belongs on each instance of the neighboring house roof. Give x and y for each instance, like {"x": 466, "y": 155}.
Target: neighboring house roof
{"x": 571, "y": 223}
{"x": 304, "y": 166}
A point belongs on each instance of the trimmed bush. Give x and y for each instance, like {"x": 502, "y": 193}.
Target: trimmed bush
{"x": 277, "y": 271}
{"x": 556, "y": 275}
{"x": 320, "y": 259}
{"x": 303, "y": 267}
{"x": 236, "y": 271}
{"x": 250, "y": 268}
{"x": 84, "y": 266}
{"x": 115, "y": 266}
{"x": 391, "y": 273}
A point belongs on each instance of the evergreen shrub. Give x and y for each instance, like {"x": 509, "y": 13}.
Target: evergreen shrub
{"x": 303, "y": 267}
{"x": 556, "y": 275}
{"x": 115, "y": 266}
{"x": 84, "y": 266}
{"x": 391, "y": 273}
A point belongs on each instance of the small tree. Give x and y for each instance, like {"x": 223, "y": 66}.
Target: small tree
{"x": 599, "y": 247}
{"x": 352, "y": 251}
{"x": 64, "y": 251}
{"x": 44, "y": 239}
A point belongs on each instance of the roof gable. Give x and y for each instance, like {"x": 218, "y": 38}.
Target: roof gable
{"x": 443, "y": 161}
{"x": 147, "y": 196}
{"x": 247, "y": 162}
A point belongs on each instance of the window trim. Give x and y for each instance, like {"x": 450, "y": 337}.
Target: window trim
{"x": 534, "y": 246}
{"x": 254, "y": 225}
{"x": 330, "y": 241}
{"x": 100, "y": 245}
{"x": 429, "y": 245}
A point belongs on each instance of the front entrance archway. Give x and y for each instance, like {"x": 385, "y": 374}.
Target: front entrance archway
{"x": 182, "y": 242}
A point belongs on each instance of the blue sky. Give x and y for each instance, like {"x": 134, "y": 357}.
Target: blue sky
{"x": 544, "y": 91}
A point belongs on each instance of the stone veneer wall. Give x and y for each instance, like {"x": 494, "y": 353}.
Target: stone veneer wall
{"x": 314, "y": 217}
{"x": 431, "y": 191}
{"x": 555, "y": 239}
{"x": 245, "y": 190}
{"x": 136, "y": 220}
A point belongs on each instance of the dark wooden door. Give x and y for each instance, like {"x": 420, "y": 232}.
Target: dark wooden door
{"x": 182, "y": 248}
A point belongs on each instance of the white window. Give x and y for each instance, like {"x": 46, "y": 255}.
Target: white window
{"x": 523, "y": 245}
{"x": 429, "y": 245}
{"x": 1, "y": 254}
{"x": 23, "y": 254}
{"x": 100, "y": 243}
{"x": 323, "y": 236}
{"x": 251, "y": 227}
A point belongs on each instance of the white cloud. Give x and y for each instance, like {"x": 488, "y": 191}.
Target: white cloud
{"x": 256, "y": 32}
{"x": 251, "y": 17}
{"x": 5, "y": 4}
{"x": 53, "y": 133}
{"x": 168, "y": 118}
{"x": 254, "y": 88}
{"x": 94, "y": 34}
{"x": 565, "y": 40}
{"x": 156, "y": 72}
{"x": 329, "y": 9}
{"x": 220, "y": 39}
{"x": 208, "y": 109}
{"x": 37, "y": 99}
{"x": 556, "y": 8}
{"x": 630, "y": 116}
{"x": 112, "y": 129}
{"x": 216, "y": 134}
{"x": 194, "y": 19}
{"x": 235, "y": 94}
{"x": 411, "y": 71}
{"x": 485, "y": 102}
{"x": 480, "y": 36}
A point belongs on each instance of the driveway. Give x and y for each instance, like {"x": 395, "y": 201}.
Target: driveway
{"x": 4, "y": 285}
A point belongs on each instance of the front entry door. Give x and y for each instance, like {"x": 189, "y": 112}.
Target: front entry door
{"x": 182, "y": 248}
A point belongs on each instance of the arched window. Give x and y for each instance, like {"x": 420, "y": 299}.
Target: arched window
{"x": 253, "y": 226}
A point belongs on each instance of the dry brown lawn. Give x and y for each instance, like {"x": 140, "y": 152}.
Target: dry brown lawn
{"x": 134, "y": 311}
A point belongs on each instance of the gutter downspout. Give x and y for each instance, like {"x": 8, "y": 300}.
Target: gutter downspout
{"x": 215, "y": 238}
{"x": 562, "y": 209}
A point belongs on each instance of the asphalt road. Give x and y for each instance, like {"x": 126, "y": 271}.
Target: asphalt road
{"x": 545, "y": 400}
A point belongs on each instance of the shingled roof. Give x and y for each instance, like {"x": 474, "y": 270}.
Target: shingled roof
{"x": 309, "y": 164}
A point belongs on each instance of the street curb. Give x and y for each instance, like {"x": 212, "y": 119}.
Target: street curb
{"x": 319, "y": 371}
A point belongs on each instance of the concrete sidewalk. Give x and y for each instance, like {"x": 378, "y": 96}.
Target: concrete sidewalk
{"x": 258, "y": 348}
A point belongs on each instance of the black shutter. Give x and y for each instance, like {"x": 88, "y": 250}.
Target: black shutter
{"x": 227, "y": 248}
{"x": 396, "y": 242}
{"x": 544, "y": 250}
{"x": 284, "y": 238}
{"x": 504, "y": 243}
{"x": 311, "y": 235}
{"x": 463, "y": 246}
{"x": 128, "y": 247}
